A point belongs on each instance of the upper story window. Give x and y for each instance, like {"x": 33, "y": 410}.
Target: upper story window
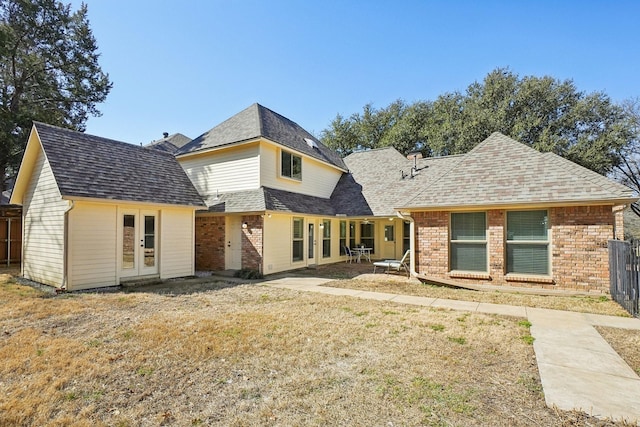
{"x": 291, "y": 165}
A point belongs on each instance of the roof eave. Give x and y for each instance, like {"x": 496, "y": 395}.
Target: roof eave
{"x": 520, "y": 205}
{"x": 130, "y": 202}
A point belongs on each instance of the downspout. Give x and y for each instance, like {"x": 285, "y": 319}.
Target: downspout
{"x": 412, "y": 242}
{"x": 65, "y": 252}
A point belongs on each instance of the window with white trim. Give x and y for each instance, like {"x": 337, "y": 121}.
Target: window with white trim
{"x": 326, "y": 238}
{"x": 297, "y": 241}
{"x": 528, "y": 242}
{"x": 291, "y": 165}
{"x": 468, "y": 245}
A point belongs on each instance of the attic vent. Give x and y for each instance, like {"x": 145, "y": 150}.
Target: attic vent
{"x": 311, "y": 143}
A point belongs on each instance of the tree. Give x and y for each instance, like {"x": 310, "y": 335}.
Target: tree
{"x": 628, "y": 169}
{"x": 543, "y": 112}
{"x": 49, "y": 72}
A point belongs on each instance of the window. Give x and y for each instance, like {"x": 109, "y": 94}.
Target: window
{"x": 527, "y": 242}
{"x": 406, "y": 239}
{"x": 352, "y": 234}
{"x": 326, "y": 238}
{"x": 366, "y": 236}
{"x": 291, "y": 166}
{"x": 468, "y": 250}
{"x": 298, "y": 242}
{"x": 389, "y": 233}
{"x": 343, "y": 236}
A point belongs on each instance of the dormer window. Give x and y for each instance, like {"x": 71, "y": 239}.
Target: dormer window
{"x": 291, "y": 166}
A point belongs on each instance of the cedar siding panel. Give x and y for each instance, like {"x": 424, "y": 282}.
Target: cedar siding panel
{"x": 92, "y": 246}
{"x": 43, "y": 245}
{"x": 177, "y": 243}
{"x": 224, "y": 171}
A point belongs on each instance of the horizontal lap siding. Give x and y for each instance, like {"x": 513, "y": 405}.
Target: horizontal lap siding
{"x": 278, "y": 244}
{"x": 224, "y": 171}
{"x": 177, "y": 244}
{"x": 92, "y": 246}
{"x": 43, "y": 245}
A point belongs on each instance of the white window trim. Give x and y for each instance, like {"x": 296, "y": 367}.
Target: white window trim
{"x": 290, "y": 178}
{"x": 485, "y": 242}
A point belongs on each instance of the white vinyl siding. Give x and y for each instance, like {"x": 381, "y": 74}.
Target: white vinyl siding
{"x": 528, "y": 242}
{"x": 278, "y": 246}
{"x": 92, "y": 246}
{"x": 43, "y": 245}
{"x": 318, "y": 179}
{"x": 468, "y": 247}
{"x": 176, "y": 245}
{"x": 224, "y": 170}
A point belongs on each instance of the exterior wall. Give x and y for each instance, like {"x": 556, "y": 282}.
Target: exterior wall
{"x": 252, "y": 243}
{"x": 578, "y": 249}
{"x": 210, "y": 242}
{"x": 618, "y": 213}
{"x": 43, "y": 227}
{"x": 278, "y": 231}
{"x": 233, "y": 169}
{"x": 317, "y": 178}
{"x": 177, "y": 243}
{"x": 92, "y": 246}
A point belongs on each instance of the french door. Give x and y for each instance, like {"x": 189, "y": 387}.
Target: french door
{"x": 138, "y": 243}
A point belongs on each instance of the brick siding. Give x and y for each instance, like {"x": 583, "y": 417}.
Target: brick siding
{"x": 210, "y": 243}
{"x": 252, "y": 243}
{"x": 579, "y": 256}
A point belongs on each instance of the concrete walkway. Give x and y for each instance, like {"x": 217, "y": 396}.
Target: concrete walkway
{"x": 578, "y": 368}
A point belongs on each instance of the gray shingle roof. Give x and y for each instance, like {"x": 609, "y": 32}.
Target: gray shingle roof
{"x": 502, "y": 171}
{"x": 171, "y": 143}
{"x": 258, "y": 121}
{"x": 95, "y": 167}
{"x": 270, "y": 199}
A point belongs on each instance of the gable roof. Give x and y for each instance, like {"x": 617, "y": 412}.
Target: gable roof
{"x": 87, "y": 166}
{"x": 170, "y": 143}
{"x": 501, "y": 171}
{"x": 257, "y": 121}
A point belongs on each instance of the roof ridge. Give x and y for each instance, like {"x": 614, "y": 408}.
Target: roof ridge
{"x": 260, "y": 118}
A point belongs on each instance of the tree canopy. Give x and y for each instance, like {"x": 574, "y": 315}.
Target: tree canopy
{"x": 49, "y": 72}
{"x": 543, "y": 112}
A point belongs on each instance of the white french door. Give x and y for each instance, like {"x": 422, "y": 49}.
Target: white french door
{"x": 138, "y": 242}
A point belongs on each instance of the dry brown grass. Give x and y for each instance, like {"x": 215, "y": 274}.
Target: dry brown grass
{"x": 251, "y": 355}
{"x": 626, "y": 343}
{"x": 400, "y": 285}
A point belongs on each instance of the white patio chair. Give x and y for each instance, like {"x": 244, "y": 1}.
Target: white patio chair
{"x": 394, "y": 264}
{"x": 350, "y": 254}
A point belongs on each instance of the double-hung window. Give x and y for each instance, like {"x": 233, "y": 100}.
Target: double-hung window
{"x": 468, "y": 246}
{"x": 528, "y": 242}
{"x": 326, "y": 238}
{"x": 343, "y": 236}
{"x": 291, "y": 165}
{"x": 297, "y": 241}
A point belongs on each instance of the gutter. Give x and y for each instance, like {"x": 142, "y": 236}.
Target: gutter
{"x": 65, "y": 252}
{"x": 412, "y": 242}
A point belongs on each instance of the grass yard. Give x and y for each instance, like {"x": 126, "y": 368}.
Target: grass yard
{"x": 249, "y": 355}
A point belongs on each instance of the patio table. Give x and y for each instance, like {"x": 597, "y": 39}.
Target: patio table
{"x": 363, "y": 252}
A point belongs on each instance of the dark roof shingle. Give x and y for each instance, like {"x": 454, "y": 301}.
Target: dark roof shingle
{"x": 257, "y": 121}
{"x": 99, "y": 168}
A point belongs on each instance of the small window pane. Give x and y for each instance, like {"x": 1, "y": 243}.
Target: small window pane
{"x": 528, "y": 258}
{"x": 527, "y": 225}
{"x": 469, "y": 256}
{"x": 297, "y": 228}
{"x": 343, "y": 236}
{"x": 297, "y": 240}
{"x": 296, "y": 167}
{"x": 389, "y": 234}
{"x": 468, "y": 226}
{"x": 286, "y": 164}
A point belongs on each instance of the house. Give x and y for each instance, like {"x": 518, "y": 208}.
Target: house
{"x": 170, "y": 143}
{"x": 97, "y": 212}
{"x": 277, "y": 199}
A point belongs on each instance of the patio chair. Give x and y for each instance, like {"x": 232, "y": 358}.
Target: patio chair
{"x": 394, "y": 264}
{"x": 350, "y": 254}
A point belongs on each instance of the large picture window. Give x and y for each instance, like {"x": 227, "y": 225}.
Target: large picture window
{"x": 298, "y": 242}
{"x": 528, "y": 242}
{"x": 367, "y": 235}
{"x": 326, "y": 238}
{"x": 468, "y": 247}
{"x": 291, "y": 166}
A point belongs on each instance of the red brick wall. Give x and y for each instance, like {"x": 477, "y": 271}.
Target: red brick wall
{"x": 252, "y": 244}
{"x": 579, "y": 257}
{"x": 210, "y": 243}
{"x": 618, "y": 213}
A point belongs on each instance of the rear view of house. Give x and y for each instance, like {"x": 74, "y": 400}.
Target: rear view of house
{"x": 97, "y": 212}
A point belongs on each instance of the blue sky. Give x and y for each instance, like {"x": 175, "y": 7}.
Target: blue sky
{"x": 185, "y": 66}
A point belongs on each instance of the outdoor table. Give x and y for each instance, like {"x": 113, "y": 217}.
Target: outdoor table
{"x": 362, "y": 251}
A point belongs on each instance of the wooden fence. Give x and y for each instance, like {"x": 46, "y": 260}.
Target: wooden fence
{"x": 624, "y": 268}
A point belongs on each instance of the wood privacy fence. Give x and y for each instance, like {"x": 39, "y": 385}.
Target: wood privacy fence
{"x": 624, "y": 266}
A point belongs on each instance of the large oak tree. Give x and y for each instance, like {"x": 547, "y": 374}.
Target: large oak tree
{"x": 49, "y": 72}
{"x": 543, "y": 112}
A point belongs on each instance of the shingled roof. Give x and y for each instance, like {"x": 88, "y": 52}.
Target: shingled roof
{"x": 501, "y": 171}
{"x": 98, "y": 168}
{"x": 257, "y": 121}
{"x": 170, "y": 143}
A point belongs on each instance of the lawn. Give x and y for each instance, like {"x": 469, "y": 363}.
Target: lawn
{"x": 241, "y": 355}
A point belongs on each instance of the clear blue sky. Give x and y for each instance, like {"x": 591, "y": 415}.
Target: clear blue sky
{"x": 185, "y": 66}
